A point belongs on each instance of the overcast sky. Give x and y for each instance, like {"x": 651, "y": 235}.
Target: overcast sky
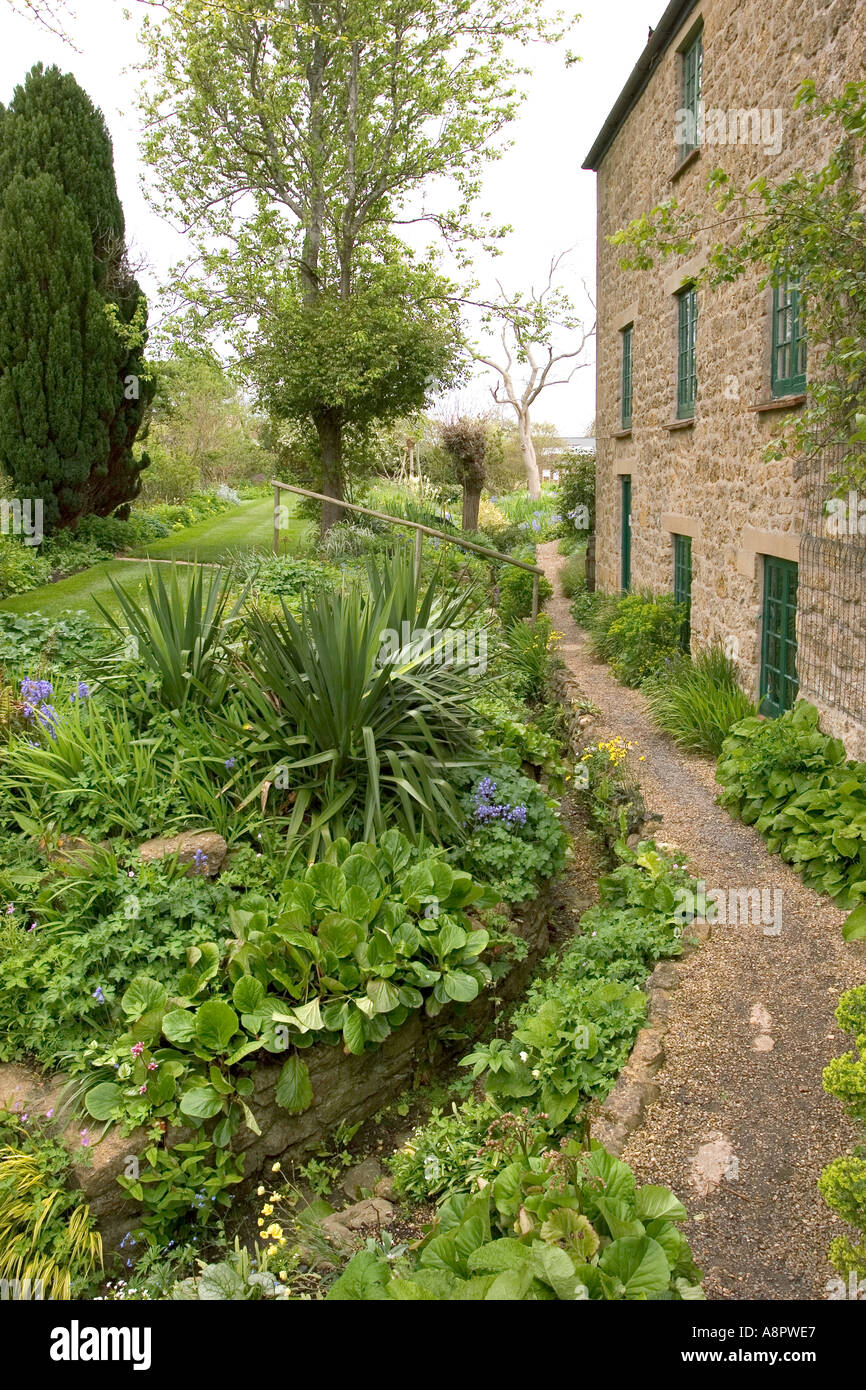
{"x": 538, "y": 186}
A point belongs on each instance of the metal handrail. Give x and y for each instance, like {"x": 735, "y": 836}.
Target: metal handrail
{"x": 420, "y": 530}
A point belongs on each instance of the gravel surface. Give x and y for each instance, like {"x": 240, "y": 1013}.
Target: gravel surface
{"x": 743, "y": 1126}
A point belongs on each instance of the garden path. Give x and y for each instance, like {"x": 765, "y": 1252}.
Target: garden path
{"x": 743, "y": 1126}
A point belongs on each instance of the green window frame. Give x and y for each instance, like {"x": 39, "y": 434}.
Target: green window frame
{"x": 625, "y": 532}
{"x": 683, "y": 586}
{"x": 687, "y": 366}
{"x": 789, "y": 340}
{"x": 692, "y": 75}
{"x": 779, "y": 682}
{"x": 627, "y": 376}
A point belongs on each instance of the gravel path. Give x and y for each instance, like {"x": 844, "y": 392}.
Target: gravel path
{"x": 743, "y": 1127}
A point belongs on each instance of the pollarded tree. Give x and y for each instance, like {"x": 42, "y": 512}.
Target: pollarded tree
{"x": 465, "y": 442}
{"x": 73, "y": 387}
{"x": 295, "y": 136}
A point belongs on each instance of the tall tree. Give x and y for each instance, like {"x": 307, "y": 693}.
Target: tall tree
{"x": 530, "y": 361}
{"x": 296, "y": 135}
{"x": 73, "y": 386}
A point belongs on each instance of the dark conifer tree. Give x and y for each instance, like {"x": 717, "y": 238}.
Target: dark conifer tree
{"x": 73, "y": 386}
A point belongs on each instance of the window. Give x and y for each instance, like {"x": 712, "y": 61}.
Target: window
{"x": 627, "y": 344}
{"x": 789, "y": 341}
{"x": 683, "y": 585}
{"x": 779, "y": 682}
{"x": 693, "y": 64}
{"x": 625, "y": 534}
{"x": 687, "y": 377}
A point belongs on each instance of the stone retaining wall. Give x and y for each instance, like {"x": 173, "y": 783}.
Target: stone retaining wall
{"x": 345, "y": 1088}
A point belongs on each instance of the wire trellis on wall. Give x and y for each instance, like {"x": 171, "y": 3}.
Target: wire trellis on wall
{"x": 831, "y": 657}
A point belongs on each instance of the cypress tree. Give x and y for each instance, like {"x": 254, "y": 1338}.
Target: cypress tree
{"x": 73, "y": 392}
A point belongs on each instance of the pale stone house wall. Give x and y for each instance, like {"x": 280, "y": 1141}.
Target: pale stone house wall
{"x": 709, "y": 480}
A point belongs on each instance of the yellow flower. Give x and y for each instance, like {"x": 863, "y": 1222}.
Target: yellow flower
{"x": 267, "y": 1209}
{"x": 275, "y": 1168}
{"x": 260, "y": 1192}
{"x": 261, "y": 1221}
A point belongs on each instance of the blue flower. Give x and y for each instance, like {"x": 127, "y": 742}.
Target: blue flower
{"x": 229, "y": 763}
{"x": 98, "y": 995}
{"x": 82, "y": 693}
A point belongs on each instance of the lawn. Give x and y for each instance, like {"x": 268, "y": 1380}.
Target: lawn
{"x": 247, "y": 527}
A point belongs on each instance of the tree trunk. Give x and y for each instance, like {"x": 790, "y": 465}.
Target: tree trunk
{"x": 530, "y": 462}
{"x": 329, "y": 428}
{"x": 471, "y": 502}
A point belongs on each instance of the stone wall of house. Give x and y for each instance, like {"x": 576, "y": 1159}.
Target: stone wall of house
{"x": 709, "y": 480}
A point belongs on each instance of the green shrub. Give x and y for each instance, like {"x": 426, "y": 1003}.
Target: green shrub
{"x": 95, "y": 928}
{"x": 698, "y": 700}
{"x": 36, "y": 642}
{"x": 546, "y": 1228}
{"x": 527, "y": 648}
{"x": 517, "y": 839}
{"x": 843, "y": 1183}
{"x": 573, "y": 1034}
{"x": 511, "y": 735}
{"x": 515, "y": 589}
{"x": 282, "y": 576}
{"x": 22, "y": 567}
{"x": 793, "y": 783}
{"x": 572, "y": 576}
{"x": 575, "y": 494}
{"x": 636, "y": 634}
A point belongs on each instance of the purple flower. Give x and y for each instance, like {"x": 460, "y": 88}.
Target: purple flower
{"x": 10, "y": 909}
{"x": 98, "y": 995}
{"x": 82, "y": 693}
{"x": 229, "y": 763}
{"x": 200, "y": 861}
{"x": 36, "y": 690}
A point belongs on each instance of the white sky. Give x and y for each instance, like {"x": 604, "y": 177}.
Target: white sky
{"x": 538, "y": 186}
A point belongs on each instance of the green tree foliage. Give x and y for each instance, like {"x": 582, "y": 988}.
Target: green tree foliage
{"x": 73, "y": 386}
{"x": 300, "y": 134}
{"x": 810, "y": 225}
{"x": 201, "y": 430}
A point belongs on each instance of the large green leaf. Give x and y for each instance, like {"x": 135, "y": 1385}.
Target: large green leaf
{"x": 215, "y": 1025}
{"x": 653, "y": 1203}
{"x": 638, "y": 1264}
{"x": 294, "y": 1089}
{"x": 201, "y": 1102}
{"x": 855, "y": 926}
{"x": 178, "y": 1025}
{"x": 143, "y": 996}
{"x": 103, "y": 1101}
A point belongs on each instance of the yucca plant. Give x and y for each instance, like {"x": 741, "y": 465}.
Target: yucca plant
{"x": 698, "y": 701}
{"x": 46, "y": 1231}
{"x": 368, "y": 721}
{"x": 180, "y": 630}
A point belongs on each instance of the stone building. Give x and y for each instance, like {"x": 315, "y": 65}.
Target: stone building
{"x": 692, "y": 384}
